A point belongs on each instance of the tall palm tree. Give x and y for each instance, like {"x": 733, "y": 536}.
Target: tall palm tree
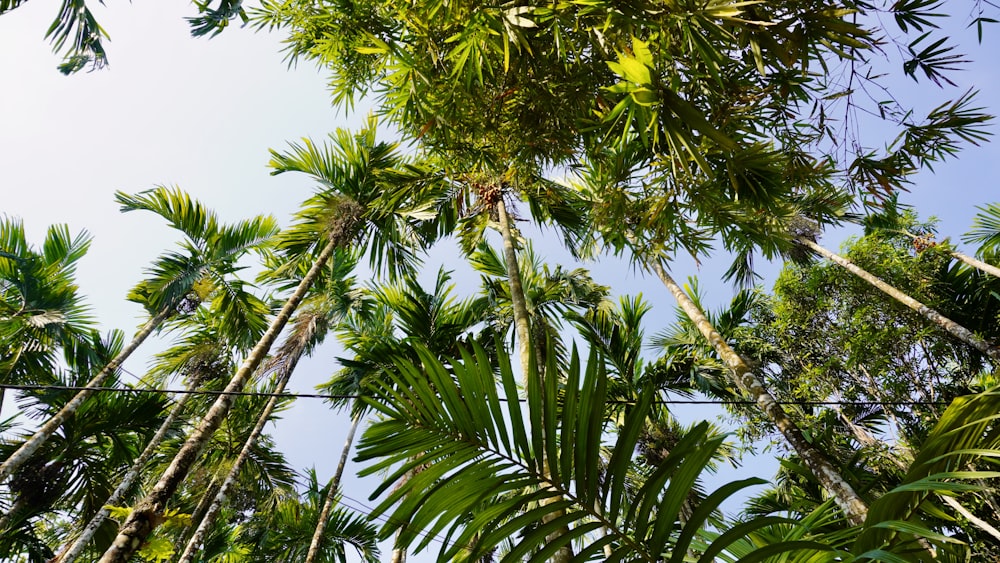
{"x": 284, "y": 373}
{"x": 531, "y": 327}
{"x": 332, "y": 297}
{"x": 362, "y": 203}
{"x": 74, "y": 471}
{"x": 399, "y": 317}
{"x": 178, "y": 282}
{"x": 40, "y": 308}
{"x": 655, "y": 226}
{"x": 744, "y": 378}
{"x": 284, "y": 533}
{"x": 200, "y": 356}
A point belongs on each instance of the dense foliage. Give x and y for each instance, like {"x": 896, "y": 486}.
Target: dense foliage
{"x": 522, "y": 420}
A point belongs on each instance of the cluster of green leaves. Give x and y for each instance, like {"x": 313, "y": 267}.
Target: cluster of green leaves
{"x": 480, "y": 474}
{"x": 41, "y": 311}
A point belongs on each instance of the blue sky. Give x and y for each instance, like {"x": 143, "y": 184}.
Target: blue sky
{"x": 202, "y": 114}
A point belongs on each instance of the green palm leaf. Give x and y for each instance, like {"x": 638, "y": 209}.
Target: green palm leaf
{"x": 966, "y": 434}
{"x": 985, "y": 230}
{"x": 476, "y": 469}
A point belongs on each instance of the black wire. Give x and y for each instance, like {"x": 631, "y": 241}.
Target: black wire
{"x": 328, "y": 396}
{"x": 362, "y": 508}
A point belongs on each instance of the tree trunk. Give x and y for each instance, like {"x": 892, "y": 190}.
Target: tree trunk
{"x": 846, "y": 498}
{"x": 127, "y": 481}
{"x": 398, "y": 553}
{"x": 519, "y": 304}
{"x": 523, "y": 329}
{"x": 925, "y": 241}
{"x": 977, "y": 263}
{"x": 213, "y": 510}
{"x": 147, "y": 514}
{"x": 957, "y": 330}
{"x": 19, "y": 457}
{"x": 972, "y": 518}
{"x": 331, "y": 493}
{"x": 212, "y": 489}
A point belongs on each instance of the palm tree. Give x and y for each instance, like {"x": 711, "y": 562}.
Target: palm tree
{"x": 74, "y": 471}
{"x": 332, "y": 297}
{"x": 743, "y": 224}
{"x": 399, "y": 317}
{"x": 40, "y": 309}
{"x": 200, "y": 357}
{"x": 285, "y": 371}
{"x": 745, "y": 380}
{"x": 362, "y": 202}
{"x": 284, "y": 533}
{"x": 179, "y": 282}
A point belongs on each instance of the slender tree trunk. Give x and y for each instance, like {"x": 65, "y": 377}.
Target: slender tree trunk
{"x": 9, "y": 518}
{"x": 864, "y": 437}
{"x": 976, "y": 521}
{"x": 957, "y": 330}
{"x": 147, "y": 514}
{"x": 977, "y": 263}
{"x": 961, "y": 256}
{"x": 127, "y": 481}
{"x": 213, "y": 510}
{"x": 214, "y": 484}
{"x": 854, "y": 508}
{"x": 522, "y": 327}
{"x": 18, "y": 458}
{"x": 398, "y": 553}
{"x": 331, "y": 493}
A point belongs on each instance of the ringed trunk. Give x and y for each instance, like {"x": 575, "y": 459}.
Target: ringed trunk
{"x": 846, "y": 498}
{"x": 213, "y": 510}
{"x": 70, "y": 555}
{"x": 523, "y": 329}
{"x": 147, "y": 514}
{"x": 955, "y": 329}
{"x": 331, "y": 493}
{"x": 19, "y": 457}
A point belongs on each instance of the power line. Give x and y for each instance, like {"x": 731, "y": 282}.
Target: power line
{"x": 331, "y": 396}
{"x": 363, "y": 508}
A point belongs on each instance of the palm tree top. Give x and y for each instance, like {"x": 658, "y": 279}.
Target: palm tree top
{"x": 370, "y": 194}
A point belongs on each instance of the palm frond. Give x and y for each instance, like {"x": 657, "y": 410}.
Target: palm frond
{"x": 967, "y": 434}
{"x": 462, "y": 442}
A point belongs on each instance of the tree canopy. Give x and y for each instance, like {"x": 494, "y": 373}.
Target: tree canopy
{"x": 521, "y": 418}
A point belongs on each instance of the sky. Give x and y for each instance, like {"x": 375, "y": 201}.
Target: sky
{"x": 202, "y": 114}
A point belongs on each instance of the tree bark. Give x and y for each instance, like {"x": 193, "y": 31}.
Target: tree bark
{"x": 978, "y": 522}
{"x": 522, "y": 327}
{"x": 331, "y": 493}
{"x": 846, "y": 498}
{"x": 955, "y": 329}
{"x": 19, "y": 457}
{"x": 147, "y": 514}
{"x": 212, "y": 489}
{"x": 977, "y": 263}
{"x": 127, "y": 481}
{"x": 220, "y": 498}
